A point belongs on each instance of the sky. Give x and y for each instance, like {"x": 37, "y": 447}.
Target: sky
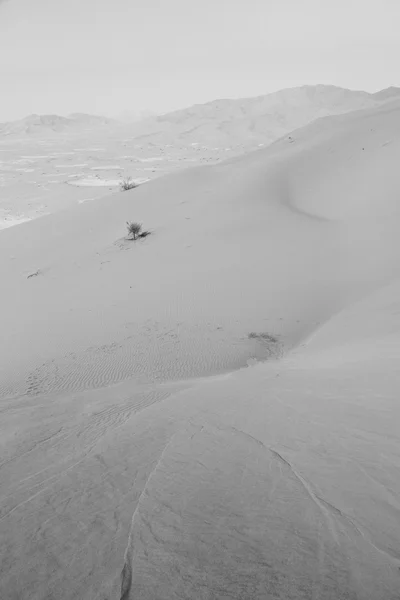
{"x": 115, "y": 56}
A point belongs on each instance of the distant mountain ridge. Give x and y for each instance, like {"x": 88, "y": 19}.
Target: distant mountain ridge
{"x": 42, "y": 124}
{"x": 245, "y": 122}
{"x": 390, "y": 93}
{"x": 264, "y": 119}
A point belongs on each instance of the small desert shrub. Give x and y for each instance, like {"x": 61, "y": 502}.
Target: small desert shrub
{"x": 134, "y": 229}
{"x": 266, "y": 337}
{"x": 127, "y": 184}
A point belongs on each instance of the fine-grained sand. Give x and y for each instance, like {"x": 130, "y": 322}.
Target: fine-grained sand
{"x": 124, "y": 472}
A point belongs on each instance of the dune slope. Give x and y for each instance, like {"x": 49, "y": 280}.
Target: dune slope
{"x": 266, "y": 243}
{"x": 276, "y": 481}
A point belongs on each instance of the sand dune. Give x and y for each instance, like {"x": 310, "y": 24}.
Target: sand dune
{"x": 125, "y": 472}
{"x": 45, "y": 147}
{"x": 217, "y": 233}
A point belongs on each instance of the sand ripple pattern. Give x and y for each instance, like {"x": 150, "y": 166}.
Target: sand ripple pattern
{"x": 150, "y": 354}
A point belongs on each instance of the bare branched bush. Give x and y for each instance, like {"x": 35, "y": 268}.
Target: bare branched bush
{"x": 127, "y": 184}
{"x": 134, "y": 229}
{"x": 265, "y": 337}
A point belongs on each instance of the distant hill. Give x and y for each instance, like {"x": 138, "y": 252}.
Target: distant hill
{"x": 48, "y": 124}
{"x": 263, "y": 119}
{"x": 390, "y": 93}
{"x": 240, "y": 123}
{"x": 86, "y": 119}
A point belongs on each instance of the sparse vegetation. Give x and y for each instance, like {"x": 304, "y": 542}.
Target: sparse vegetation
{"x": 267, "y": 346}
{"x": 127, "y": 184}
{"x": 265, "y": 337}
{"x": 134, "y": 229}
{"x": 35, "y": 274}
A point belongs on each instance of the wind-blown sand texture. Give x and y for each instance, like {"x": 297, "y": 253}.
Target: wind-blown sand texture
{"x": 125, "y": 473}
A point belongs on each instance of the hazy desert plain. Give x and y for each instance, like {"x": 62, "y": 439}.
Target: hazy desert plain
{"x": 211, "y": 411}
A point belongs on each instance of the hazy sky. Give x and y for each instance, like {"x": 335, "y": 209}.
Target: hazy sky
{"x": 107, "y": 56}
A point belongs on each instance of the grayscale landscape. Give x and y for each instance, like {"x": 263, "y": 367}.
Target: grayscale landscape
{"x": 49, "y": 162}
{"x": 199, "y": 373}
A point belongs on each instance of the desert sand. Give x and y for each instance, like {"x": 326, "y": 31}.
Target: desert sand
{"x": 212, "y": 411}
